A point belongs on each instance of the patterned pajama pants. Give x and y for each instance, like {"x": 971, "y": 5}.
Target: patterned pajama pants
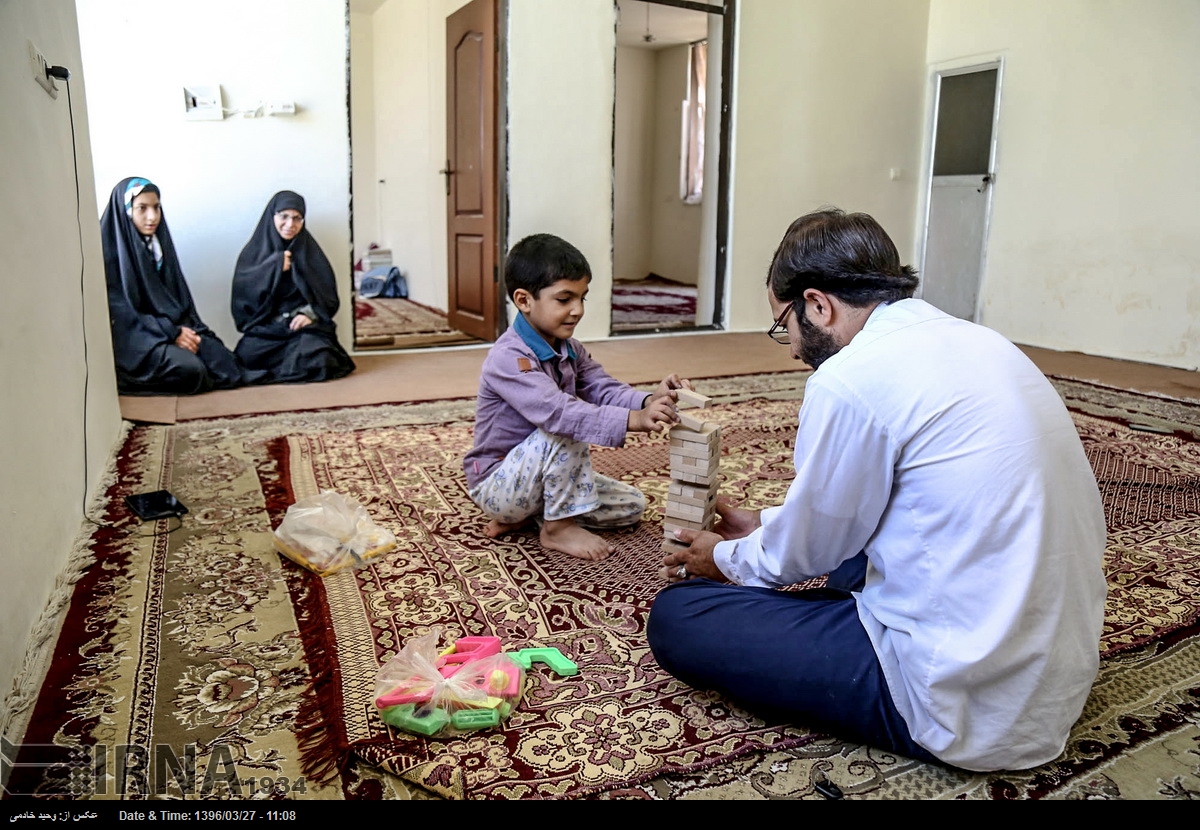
{"x": 551, "y": 477}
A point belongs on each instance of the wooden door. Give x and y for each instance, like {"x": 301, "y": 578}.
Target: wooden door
{"x": 471, "y": 168}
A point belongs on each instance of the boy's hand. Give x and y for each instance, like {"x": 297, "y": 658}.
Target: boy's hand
{"x": 671, "y": 382}
{"x": 658, "y": 414}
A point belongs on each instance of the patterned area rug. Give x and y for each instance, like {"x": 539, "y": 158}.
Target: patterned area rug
{"x": 652, "y": 304}
{"x": 387, "y": 322}
{"x": 204, "y": 637}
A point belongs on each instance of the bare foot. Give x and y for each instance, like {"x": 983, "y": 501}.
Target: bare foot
{"x": 495, "y": 529}
{"x": 567, "y": 537}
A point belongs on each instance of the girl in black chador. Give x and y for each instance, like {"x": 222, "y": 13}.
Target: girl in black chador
{"x": 160, "y": 344}
{"x": 284, "y": 299}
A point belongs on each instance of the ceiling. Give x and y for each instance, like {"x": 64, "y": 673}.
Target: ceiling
{"x": 669, "y": 25}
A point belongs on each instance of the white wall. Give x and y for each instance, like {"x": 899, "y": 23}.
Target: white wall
{"x": 561, "y": 83}
{"x": 676, "y": 225}
{"x": 53, "y": 281}
{"x": 1095, "y": 236}
{"x": 216, "y": 177}
{"x": 828, "y": 98}
{"x": 633, "y": 166}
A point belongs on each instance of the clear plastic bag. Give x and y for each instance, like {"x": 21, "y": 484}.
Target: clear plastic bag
{"x": 468, "y": 686}
{"x": 328, "y": 532}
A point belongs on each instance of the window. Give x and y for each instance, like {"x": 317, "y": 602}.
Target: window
{"x": 691, "y": 183}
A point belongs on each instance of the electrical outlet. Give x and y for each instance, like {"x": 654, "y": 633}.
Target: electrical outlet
{"x": 38, "y": 65}
{"x": 203, "y": 103}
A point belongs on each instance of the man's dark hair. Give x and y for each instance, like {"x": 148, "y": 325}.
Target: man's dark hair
{"x": 539, "y": 261}
{"x": 847, "y": 255}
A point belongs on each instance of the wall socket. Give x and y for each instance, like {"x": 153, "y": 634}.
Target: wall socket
{"x": 38, "y": 65}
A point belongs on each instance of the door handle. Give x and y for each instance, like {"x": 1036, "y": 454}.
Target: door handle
{"x": 447, "y": 172}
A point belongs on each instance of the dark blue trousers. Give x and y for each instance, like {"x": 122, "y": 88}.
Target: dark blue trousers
{"x": 798, "y": 657}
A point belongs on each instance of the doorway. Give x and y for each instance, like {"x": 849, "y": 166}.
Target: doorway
{"x": 966, "y": 107}
{"x": 670, "y": 165}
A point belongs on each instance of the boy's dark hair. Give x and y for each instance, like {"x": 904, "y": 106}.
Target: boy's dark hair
{"x": 539, "y": 261}
{"x": 846, "y": 255}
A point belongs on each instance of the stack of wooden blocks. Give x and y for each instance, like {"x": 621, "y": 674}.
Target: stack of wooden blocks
{"x": 695, "y": 467}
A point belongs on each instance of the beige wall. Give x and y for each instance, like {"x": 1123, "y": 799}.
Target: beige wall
{"x": 53, "y": 281}
{"x": 633, "y": 165}
{"x": 1094, "y": 243}
{"x": 829, "y": 97}
{"x": 676, "y": 229}
{"x": 561, "y": 84}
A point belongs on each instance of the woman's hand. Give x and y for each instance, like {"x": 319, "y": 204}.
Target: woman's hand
{"x": 299, "y": 321}
{"x": 287, "y": 265}
{"x": 188, "y": 340}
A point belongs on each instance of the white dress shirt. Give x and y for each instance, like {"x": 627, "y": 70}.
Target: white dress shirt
{"x": 937, "y": 447}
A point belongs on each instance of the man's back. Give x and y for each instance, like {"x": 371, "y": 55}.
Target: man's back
{"x": 984, "y": 597}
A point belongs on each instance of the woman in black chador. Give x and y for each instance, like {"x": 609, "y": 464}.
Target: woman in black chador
{"x": 160, "y": 345}
{"x": 284, "y": 299}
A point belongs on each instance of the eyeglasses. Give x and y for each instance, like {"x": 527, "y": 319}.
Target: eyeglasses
{"x": 778, "y": 331}
{"x": 294, "y": 218}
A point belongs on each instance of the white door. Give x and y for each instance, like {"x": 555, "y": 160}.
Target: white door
{"x": 959, "y": 196}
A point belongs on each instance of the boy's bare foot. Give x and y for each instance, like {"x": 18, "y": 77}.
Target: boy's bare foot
{"x": 495, "y": 529}
{"x": 566, "y": 536}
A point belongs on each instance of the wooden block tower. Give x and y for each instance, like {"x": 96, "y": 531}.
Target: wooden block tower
{"x": 695, "y": 465}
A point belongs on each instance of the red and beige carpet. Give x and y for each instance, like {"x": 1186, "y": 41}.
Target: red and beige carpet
{"x": 652, "y": 304}
{"x": 386, "y": 322}
{"x": 205, "y": 637}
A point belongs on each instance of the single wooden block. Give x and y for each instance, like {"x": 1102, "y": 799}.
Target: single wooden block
{"x": 706, "y": 433}
{"x": 693, "y": 398}
{"x": 690, "y": 422}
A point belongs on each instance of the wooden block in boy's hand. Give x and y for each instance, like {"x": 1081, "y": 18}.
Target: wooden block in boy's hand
{"x": 691, "y": 398}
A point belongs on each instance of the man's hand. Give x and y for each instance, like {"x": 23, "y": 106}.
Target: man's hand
{"x": 299, "y": 321}
{"x": 658, "y": 414}
{"x": 735, "y": 522}
{"x": 188, "y": 339}
{"x": 694, "y": 560}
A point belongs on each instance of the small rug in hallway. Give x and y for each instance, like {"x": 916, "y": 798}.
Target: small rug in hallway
{"x": 392, "y": 322}
{"x": 652, "y": 304}
{"x": 205, "y": 637}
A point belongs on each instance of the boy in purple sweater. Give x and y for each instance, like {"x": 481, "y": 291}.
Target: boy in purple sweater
{"x": 543, "y": 400}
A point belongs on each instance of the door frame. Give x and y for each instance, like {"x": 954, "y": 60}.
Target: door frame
{"x": 962, "y": 66}
{"x": 727, "y": 9}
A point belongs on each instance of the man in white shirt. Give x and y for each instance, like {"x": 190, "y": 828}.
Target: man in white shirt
{"x": 941, "y": 483}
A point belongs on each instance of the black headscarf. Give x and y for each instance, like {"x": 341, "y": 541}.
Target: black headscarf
{"x": 259, "y": 282}
{"x": 148, "y": 301}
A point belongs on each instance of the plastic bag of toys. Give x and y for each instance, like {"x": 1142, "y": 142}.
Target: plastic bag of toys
{"x": 328, "y": 532}
{"x": 470, "y": 685}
